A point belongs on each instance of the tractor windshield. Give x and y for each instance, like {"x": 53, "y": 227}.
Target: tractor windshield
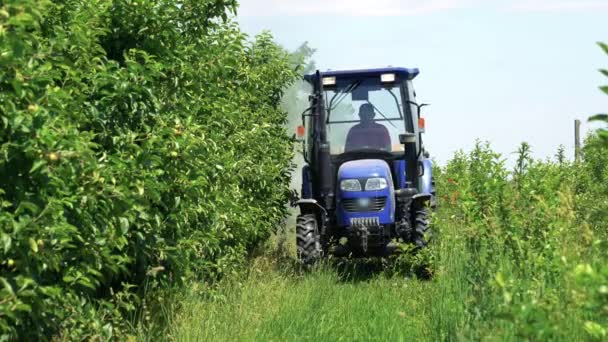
{"x": 364, "y": 115}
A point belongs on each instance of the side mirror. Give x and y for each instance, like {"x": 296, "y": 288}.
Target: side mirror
{"x": 418, "y": 106}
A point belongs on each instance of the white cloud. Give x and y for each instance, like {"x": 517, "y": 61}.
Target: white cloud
{"x": 558, "y": 5}
{"x": 261, "y": 8}
{"x": 347, "y": 7}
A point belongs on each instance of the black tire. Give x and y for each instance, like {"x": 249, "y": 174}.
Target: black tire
{"x": 308, "y": 240}
{"x": 422, "y": 233}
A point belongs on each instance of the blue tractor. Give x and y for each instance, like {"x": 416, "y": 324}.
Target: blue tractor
{"x": 367, "y": 183}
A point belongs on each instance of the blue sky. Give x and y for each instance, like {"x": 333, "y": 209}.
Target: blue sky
{"x": 502, "y": 71}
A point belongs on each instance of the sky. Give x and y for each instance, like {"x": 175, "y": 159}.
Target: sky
{"x": 503, "y": 71}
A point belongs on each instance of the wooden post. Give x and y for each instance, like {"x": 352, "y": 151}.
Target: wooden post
{"x": 577, "y": 140}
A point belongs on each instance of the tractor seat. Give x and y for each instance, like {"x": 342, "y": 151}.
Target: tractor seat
{"x": 368, "y": 136}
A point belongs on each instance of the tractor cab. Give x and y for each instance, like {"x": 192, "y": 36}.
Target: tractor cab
{"x": 366, "y": 174}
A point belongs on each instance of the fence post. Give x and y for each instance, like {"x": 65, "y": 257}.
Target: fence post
{"x": 577, "y": 140}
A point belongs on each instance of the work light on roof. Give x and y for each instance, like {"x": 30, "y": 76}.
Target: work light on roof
{"x": 329, "y": 81}
{"x": 387, "y": 78}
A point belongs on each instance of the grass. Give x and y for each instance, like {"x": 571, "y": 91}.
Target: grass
{"x": 324, "y": 305}
{"x": 338, "y": 300}
{"x": 342, "y": 300}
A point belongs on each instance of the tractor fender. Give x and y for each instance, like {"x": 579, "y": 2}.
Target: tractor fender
{"x": 420, "y": 200}
{"x": 427, "y": 176}
{"x": 310, "y": 206}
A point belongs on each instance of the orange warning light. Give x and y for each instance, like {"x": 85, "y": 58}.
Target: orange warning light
{"x": 300, "y": 131}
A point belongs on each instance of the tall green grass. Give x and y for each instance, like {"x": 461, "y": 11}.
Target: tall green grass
{"x": 328, "y": 304}
{"x": 338, "y": 300}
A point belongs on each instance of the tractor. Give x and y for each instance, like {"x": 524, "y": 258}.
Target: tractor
{"x": 367, "y": 182}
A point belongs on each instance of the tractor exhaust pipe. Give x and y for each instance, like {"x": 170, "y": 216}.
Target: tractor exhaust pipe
{"x": 408, "y": 140}
{"x": 325, "y": 174}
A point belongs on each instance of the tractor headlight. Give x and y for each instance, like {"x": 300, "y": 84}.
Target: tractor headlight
{"x": 350, "y": 185}
{"x": 375, "y": 184}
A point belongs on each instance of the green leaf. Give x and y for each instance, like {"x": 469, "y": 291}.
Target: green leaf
{"x": 124, "y": 224}
{"x": 604, "y": 72}
{"x": 6, "y": 242}
{"x": 604, "y": 89}
{"x": 219, "y": 167}
{"x": 599, "y": 117}
{"x": 23, "y": 307}
{"x": 38, "y": 164}
{"x": 595, "y": 329}
{"x": 603, "y": 46}
{"x": 51, "y": 291}
{"x": 499, "y": 279}
{"x": 86, "y": 282}
{"x": 17, "y": 121}
{"x": 33, "y": 245}
{"x": 26, "y": 205}
{"x": 7, "y": 286}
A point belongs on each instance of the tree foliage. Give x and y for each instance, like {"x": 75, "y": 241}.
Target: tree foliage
{"x": 141, "y": 142}
{"x": 533, "y": 242}
{"x": 602, "y": 133}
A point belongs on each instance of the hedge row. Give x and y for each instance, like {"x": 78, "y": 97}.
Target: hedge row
{"x": 141, "y": 142}
{"x": 526, "y": 248}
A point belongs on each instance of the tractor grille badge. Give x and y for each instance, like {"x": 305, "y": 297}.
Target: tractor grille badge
{"x": 353, "y": 205}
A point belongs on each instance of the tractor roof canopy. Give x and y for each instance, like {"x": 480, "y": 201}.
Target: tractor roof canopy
{"x": 403, "y": 73}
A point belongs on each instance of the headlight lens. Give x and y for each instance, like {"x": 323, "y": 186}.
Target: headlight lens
{"x": 375, "y": 184}
{"x": 350, "y": 185}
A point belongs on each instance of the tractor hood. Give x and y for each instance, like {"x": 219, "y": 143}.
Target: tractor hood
{"x": 364, "y": 168}
{"x": 365, "y": 204}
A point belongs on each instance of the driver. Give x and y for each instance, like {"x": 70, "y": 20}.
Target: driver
{"x": 368, "y": 134}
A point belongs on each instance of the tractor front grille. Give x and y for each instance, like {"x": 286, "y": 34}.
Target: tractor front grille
{"x": 367, "y": 222}
{"x": 354, "y": 205}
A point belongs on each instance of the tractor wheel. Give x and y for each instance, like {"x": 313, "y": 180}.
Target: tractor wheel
{"x": 422, "y": 231}
{"x": 308, "y": 240}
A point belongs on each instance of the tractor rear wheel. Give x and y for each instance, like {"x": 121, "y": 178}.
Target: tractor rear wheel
{"x": 422, "y": 233}
{"x": 308, "y": 239}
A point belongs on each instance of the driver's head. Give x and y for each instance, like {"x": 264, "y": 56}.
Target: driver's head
{"x": 366, "y": 113}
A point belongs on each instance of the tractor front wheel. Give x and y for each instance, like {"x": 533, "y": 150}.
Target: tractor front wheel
{"x": 308, "y": 239}
{"x": 422, "y": 231}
